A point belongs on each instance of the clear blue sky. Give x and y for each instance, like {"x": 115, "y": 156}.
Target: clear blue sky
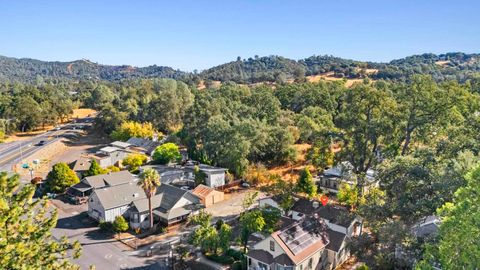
{"x": 199, "y": 34}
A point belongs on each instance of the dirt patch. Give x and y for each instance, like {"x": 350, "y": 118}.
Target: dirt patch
{"x": 329, "y": 77}
{"x": 442, "y": 63}
{"x": 82, "y": 113}
{"x": 292, "y": 171}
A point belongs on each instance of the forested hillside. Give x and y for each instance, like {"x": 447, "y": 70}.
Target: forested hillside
{"x": 450, "y": 66}
{"x": 30, "y": 70}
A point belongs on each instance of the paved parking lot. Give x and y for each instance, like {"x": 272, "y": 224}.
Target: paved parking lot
{"x": 98, "y": 248}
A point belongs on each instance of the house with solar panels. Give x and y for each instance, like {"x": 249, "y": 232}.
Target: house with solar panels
{"x": 316, "y": 239}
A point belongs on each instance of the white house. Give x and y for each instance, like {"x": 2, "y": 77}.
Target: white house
{"x": 170, "y": 204}
{"x": 316, "y": 240}
{"x": 105, "y": 204}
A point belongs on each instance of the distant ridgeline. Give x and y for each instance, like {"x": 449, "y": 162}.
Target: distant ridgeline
{"x": 458, "y": 66}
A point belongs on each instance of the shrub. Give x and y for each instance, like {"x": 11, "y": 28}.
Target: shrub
{"x": 222, "y": 259}
{"x": 133, "y": 161}
{"x": 235, "y": 254}
{"x": 120, "y": 224}
{"x": 362, "y": 267}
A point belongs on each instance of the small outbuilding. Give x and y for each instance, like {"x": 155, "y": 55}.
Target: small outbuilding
{"x": 208, "y": 196}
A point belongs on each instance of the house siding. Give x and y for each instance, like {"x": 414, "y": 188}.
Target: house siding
{"x": 215, "y": 179}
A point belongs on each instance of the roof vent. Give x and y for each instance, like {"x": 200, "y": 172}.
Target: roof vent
{"x": 315, "y": 204}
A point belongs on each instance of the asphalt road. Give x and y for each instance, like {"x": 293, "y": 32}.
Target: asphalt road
{"x": 13, "y": 152}
{"x": 98, "y": 248}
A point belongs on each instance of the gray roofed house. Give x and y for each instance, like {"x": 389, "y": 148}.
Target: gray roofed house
{"x": 109, "y": 179}
{"x": 105, "y": 204}
{"x": 120, "y": 144}
{"x": 143, "y": 145}
{"x": 81, "y": 165}
{"x": 171, "y": 205}
{"x": 331, "y": 179}
{"x": 426, "y": 227}
{"x": 90, "y": 183}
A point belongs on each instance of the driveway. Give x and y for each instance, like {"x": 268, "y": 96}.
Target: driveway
{"x": 98, "y": 248}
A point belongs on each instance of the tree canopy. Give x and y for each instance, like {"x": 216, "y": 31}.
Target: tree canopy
{"x": 25, "y": 230}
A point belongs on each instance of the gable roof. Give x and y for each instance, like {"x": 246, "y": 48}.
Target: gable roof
{"x": 109, "y": 149}
{"x": 260, "y": 255}
{"x": 203, "y": 191}
{"x": 336, "y": 240}
{"x": 165, "y": 199}
{"x": 120, "y": 144}
{"x": 112, "y": 197}
{"x": 148, "y": 145}
{"x": 81, "y": 164}
{"x": 109, "y": 179}
{"x": 302, "y": 239}
{"x": 334, "y": 214}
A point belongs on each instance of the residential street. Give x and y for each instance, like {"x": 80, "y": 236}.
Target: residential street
{"x": 97, "y": 248}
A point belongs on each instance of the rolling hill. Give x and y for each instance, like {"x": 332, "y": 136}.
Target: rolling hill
{"x": 459, "y": 66}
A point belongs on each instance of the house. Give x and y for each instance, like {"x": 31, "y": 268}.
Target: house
{"x": 90, "y": 183}
{"x": 143, "y": 145}
{"x": 120, "y": 144}
{"x": 316, "y": 240}
{"x": 298, "y": 246}
{"x": 426, "y": 227}
{"x": 171, "y": 205}
{"x": 105, "y": 204}
{"x": 331, "y": 179}
{"x": 81, "y": 165}
{"x": 214, "y": 176}
{"x": 110, "y": 155}
{"x": 207, "y": 195}
{"x": 170, "y": 174}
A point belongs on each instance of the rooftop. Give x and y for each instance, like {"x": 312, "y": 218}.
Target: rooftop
{"x": 165, "y": 199}
{"x": 120, "y": 144}
{"x": 120, "y": 195}
{"x": 303, "y": 238}
{"x": 109, "y": 179}
{"x": 334, "y": 214}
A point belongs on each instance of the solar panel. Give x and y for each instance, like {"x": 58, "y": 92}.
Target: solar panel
{"x": 301, "y": 235}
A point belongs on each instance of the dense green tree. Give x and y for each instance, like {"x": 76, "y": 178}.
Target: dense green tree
{"x": 251, "y": 221}
{"x": 367, "y": 123}
{"x": 94, "y": 169}
{"x": 458, "y": 245}
{"x": 131, "y": 129}
{"x": 26, "y": 241}
{"x": 348, "y": 194}
{"x": 134, "y": 161}
{"x": 167, "y": 152}
{"x": 61, "y": 177}
{"x": 305, "y": 183}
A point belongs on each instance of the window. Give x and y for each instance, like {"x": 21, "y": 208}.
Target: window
{"x": 262, "y": 266}
{"x": 279, "y": 267}
{"x": 249, "y": 261}
{"x": 272, "y": 246}
{"x": 310, "y": 263}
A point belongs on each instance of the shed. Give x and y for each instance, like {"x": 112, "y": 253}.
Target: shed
{"x": 208, "y": 196}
